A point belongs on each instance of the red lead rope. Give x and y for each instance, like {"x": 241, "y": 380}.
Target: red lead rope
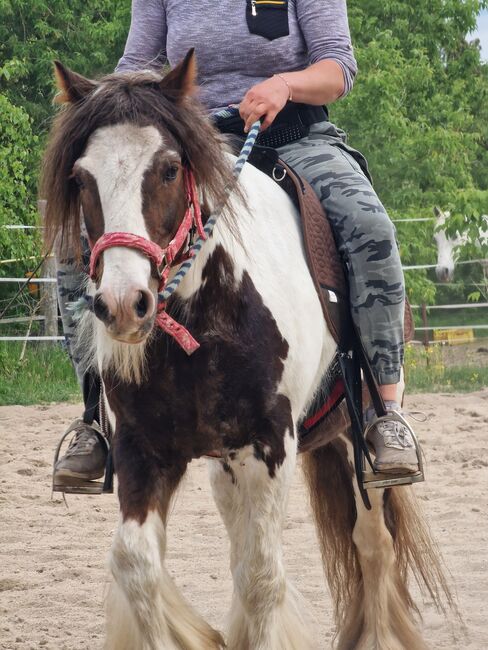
{"x": 162, "y": 258}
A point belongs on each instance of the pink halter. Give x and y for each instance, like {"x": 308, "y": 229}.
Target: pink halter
{"x": 163, "y": 259}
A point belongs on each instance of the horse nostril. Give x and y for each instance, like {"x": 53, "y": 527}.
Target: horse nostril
{"x": 101, "y": 310}
{"x": 142, "y": 304}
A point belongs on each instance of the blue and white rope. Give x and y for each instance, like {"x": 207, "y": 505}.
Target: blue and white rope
{"x": 212, "y": 220}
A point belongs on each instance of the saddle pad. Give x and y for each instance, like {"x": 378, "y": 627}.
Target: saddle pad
{"x": 328, "y": 398}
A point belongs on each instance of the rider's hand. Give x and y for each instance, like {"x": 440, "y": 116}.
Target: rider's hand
{"x": 264, "y": 100}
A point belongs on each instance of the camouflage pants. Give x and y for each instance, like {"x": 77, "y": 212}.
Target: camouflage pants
{"x": 71, "y": 276}
{"x": 365, "y": 237}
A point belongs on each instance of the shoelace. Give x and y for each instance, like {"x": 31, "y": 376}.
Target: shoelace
{"x": 392, "y": 430}
{"x": 418, "y": 416}
{"x": 82, "y": 442}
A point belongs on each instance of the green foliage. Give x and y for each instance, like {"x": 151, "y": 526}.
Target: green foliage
{"x": 88, "y": 36}
{"x": 419, "y": 111}
{"x": 437, "y": 369}
{"x": 17, "y": 176}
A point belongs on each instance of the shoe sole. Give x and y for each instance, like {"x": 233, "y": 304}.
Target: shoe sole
{"x": 396, "y": 469}
{"x": 67, "y": 476}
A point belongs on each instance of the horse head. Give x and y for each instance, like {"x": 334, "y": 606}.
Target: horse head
{"x": 129, "y": 152}
{"x": 447, "y": 247}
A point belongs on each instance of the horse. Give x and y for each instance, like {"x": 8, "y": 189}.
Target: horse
{"x": 125, "y": 149}
{"x": 449, "y": 246}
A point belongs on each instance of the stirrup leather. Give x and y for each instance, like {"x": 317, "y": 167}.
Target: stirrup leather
{"x": 377, "y": 479}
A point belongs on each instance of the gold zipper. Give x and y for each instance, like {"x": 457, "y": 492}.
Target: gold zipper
{"x": 264, "y": 2}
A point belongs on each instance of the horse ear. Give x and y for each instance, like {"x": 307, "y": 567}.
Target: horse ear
{"x": 71, "y": 86}
{"x": 180, "y": 81}
{"x": 437, "y": 212}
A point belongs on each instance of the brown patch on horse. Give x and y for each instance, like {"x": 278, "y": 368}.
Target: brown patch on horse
{"x": 90, "y": 202}
{"x": 138, "y": 98}
{"x": 163, "y": 198}
{"x": 222, "y": 398}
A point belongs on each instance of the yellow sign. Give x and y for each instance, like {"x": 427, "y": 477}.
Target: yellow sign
{"x": 455, "y": 336}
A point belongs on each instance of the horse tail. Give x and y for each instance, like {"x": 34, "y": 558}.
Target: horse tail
{"x": 415, "y": 548}
{"x": 333, "y": 505}
{"x": 396, "y": 526}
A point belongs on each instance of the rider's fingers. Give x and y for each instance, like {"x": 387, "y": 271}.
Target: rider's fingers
{"x": 268, "y": 120}
{"x": 257, "y": 113}
{"x": 246, "y": 107}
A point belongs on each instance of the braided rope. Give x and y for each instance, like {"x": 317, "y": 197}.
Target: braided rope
{"x": 212, "y": 220}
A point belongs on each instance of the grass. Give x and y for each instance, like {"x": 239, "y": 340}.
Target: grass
{"x": 431, "y": 370}
{"x": 44, "y": 375}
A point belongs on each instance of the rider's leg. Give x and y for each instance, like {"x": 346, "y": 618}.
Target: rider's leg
{"x": 86, "y": 456}
{"x": 366, "y": 238}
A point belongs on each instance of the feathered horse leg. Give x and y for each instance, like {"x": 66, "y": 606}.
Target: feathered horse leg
{"x": 367, "y": 554}
{"x": 144, "y": 608}
{"x": 265, "y": 612}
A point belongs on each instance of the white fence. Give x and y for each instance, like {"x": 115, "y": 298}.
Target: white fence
{"x": 49, "y": 310}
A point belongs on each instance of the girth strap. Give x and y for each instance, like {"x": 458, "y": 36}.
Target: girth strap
{"x": 351, "y": 373}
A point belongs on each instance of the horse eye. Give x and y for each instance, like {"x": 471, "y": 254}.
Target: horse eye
{"x": 171, "y": 173}
{"x": 79, "y": 182}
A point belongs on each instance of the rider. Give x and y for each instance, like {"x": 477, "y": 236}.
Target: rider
{"x": 260, "y": 55}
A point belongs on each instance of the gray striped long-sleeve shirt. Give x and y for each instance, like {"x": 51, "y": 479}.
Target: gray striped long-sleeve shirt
{"x": 230, "y": 58}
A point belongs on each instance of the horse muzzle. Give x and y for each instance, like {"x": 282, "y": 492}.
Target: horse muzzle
{"x": 444, "y": 273}
{"x": 128, "y": 318}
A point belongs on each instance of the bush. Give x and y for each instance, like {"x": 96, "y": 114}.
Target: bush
{"x": 18, "y": 161}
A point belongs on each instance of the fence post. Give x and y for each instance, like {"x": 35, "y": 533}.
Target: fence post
{"x": 426, "y": 324}
{"x": 49, "y": 297}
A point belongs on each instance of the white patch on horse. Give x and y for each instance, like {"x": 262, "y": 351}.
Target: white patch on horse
{"x": 266, "y": 611}
{"x": 159, "y": 616}
{"x": 269, "y": 247}
{"x": 117, "y": 157}
{"x": 275, "y": 260}
{"x": 387, "y": 623}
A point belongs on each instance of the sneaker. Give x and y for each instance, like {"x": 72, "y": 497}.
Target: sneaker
{"x": 86, "y": 455}
{"x": 393, "y": 444}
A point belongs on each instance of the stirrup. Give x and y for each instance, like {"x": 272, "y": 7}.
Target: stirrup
{"x": 82, "y": 486}
{"x": 377, "y": 479}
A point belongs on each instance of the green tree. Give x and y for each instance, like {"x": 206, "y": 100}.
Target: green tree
{"x": 18, "y": 147}
{"x": 88, "y": 36}
{"x": 419, "y": 112}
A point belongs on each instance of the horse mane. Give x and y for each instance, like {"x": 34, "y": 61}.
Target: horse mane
{"x": 135, "y": 98}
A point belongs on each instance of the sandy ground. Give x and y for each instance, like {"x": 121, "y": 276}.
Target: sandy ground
{"x": 53, "y": 559}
